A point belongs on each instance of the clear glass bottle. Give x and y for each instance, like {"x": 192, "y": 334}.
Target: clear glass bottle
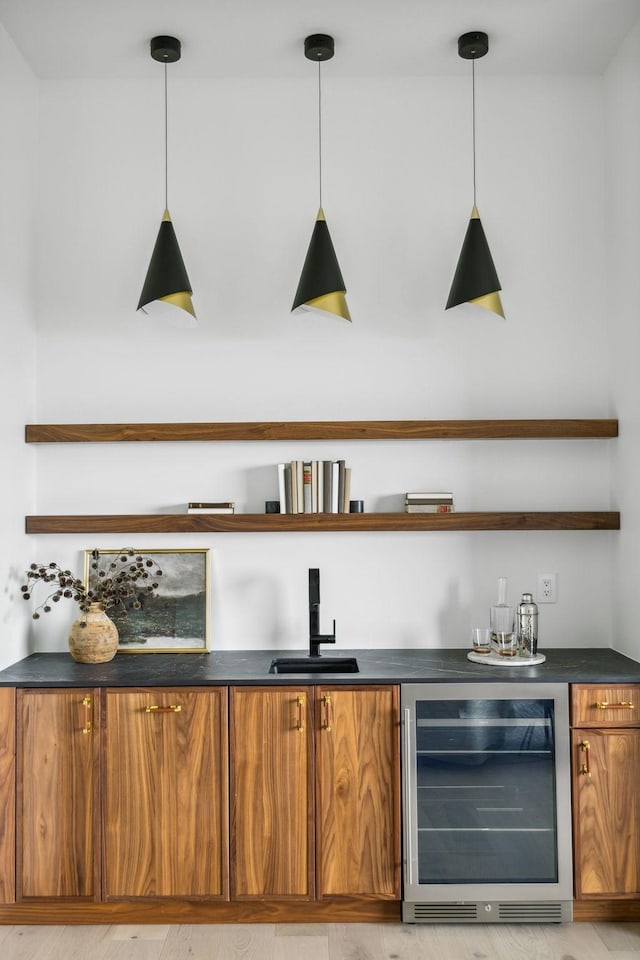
{"x": 501, "y": 614}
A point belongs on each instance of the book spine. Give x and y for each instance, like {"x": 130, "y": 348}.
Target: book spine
{"x": 427, "y": 501}
{"x": 306, "y": 488}
{"x": 347, "y": 490}
{"x": 294, "y": 486}
{"x": 327, "y": 500}
{"x": 430, "y": 508}
{"x": 208, "y": 505}
{"x": 341, "y": 469}
{"x": 288, "y": 502}
{"x": 300, "y": 486}
{"x": 335, "y": 481}
{"x": 282, "y": 494}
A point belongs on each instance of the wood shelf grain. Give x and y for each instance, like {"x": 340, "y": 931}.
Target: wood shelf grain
{"x": 320, "y": 522}
{"x": 579, "y": 429}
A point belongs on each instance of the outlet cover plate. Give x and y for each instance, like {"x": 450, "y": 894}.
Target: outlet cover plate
{"x": 547, "y": 588}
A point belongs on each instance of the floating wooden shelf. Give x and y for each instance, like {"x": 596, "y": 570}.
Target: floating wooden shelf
{"x": 324, "y": 430}
{"x": 318, "y": 522}
{"x": 578, "y": 429}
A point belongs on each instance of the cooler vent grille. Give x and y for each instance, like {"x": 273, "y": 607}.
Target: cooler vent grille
{"x": 531, "y": 912}
{"x": 488, "y": 912}
{"x": 444, "y": 912}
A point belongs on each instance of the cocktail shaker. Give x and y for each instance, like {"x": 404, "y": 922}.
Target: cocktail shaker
{"x": 527, "y": 626}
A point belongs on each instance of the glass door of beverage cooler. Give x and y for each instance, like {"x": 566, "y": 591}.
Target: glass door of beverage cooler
{"x": 486, "y": 792}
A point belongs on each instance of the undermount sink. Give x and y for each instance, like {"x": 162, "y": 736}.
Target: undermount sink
{"x": 314, "y": 665}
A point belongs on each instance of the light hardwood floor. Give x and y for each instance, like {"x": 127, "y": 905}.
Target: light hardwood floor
{"x": 578, "y": 941}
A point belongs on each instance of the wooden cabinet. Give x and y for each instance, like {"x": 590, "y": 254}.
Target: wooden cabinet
{"x": 606, "y": 800}
{"x": 123, "y": 794}
{"x": 271, "y": 792}
{"x": 57, "y": 799}
{"x": 337, "y": 755}
{"x": 358, "y": 792}
{"x": 165, "y": 793}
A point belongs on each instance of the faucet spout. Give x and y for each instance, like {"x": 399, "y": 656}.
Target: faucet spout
{"x": 315, "y": 637}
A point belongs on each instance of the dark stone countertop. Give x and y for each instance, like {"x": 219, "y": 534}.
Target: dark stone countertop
{"x": 564, "y": 665}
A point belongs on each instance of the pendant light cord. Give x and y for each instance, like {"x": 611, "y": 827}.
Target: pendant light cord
{"x": 319, "y": 135}
{"x": 166, "y": 142}
{"x": 473, "y": 124}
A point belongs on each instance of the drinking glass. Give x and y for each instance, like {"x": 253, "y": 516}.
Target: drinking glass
{"x": 502, "y": 619}
{"x": 507, "y": 643}
{"x": 481, "y": 640}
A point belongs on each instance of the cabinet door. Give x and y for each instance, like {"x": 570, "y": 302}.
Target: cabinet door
{"x": 58, "y": 794}
{"x": 271, "y": 793}
{"x": 7, "y": 795}
{"x": 165, "y": 799}
{"x": 606, "y": 812}
{"x": 358, "y": 792}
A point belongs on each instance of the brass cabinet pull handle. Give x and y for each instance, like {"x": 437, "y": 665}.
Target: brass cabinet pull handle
{"x": 172, "y": 708}
{"x": 328, "y": 712}
{"x": 88, "y": 726}
{"x": 300, "y": 706}
{"x": 605, "y": 705}
{"x": 585, "y": 769}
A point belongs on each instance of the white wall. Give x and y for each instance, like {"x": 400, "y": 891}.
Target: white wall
{"x": 18, "y": 121}
{"x": 397, "y": 195}
{"x": 621, "y": 316}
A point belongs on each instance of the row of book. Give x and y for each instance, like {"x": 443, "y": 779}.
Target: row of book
{"x": 314, "y": 486}
{"x": 428, "y": 502}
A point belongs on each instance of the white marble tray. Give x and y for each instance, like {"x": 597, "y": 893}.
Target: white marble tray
{"x": 496, "y": 660}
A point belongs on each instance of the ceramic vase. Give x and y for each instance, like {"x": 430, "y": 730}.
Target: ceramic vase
{"x": 93, "y": 637}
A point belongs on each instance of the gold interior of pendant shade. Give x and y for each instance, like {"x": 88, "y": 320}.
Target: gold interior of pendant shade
{"x": 181, "y": 299}
{"x": 335, "y": 302}
{"x": 490, "y": 301}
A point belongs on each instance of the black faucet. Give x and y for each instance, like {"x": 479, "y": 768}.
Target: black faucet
{"x": 315, "y": 637}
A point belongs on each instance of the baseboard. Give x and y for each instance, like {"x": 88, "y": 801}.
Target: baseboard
{"x": 188, "y": 911}
{"x": 594, "y": 910}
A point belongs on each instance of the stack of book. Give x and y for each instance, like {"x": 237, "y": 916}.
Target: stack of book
{"x": 213, "y": 506}
{"x": 314, "y": 486}
{"x": 428, "y": 502}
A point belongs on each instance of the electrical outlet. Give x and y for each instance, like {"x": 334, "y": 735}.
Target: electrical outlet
{"x": 547, "y": 588}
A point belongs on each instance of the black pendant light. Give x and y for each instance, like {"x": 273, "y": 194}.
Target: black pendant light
{"x": 166, "y": 289}
{"x": 475, "y": 279}
{"x": 321, "y": 288}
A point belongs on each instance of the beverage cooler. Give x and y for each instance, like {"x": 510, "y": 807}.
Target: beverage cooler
{"x": 487, "y": 808}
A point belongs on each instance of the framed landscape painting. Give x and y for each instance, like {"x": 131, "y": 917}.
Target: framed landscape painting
{"x": 175, "y": 619}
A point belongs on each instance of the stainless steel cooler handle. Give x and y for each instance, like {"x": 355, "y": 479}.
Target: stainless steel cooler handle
{"x": 408, "y": 762}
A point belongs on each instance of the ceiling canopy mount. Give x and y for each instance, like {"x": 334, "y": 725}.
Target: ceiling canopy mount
{"x": 166, "y": 49}
{"x": 319, "y": 47}
{"x": 473, "y": 45}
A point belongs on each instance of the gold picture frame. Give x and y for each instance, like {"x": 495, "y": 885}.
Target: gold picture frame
{"x": 176, "y": 619}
